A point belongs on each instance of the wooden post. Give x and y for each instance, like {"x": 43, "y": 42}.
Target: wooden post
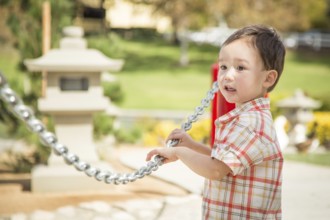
{"x": 46, "y": 40}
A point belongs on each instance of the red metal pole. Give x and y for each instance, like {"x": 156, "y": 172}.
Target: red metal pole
{"x": 214, "y": 109}
{"x": 219, "y": 104}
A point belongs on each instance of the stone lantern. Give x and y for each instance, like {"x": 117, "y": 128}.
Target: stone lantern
{"x": 298, "y": 110}
{"x": 73, "y": 94}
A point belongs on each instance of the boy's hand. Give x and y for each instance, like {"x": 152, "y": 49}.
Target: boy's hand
{"x": 167, "y": 153}
{"x": 183, "y": 138}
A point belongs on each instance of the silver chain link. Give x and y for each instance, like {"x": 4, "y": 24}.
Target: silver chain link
{"x": 49, "y": 139}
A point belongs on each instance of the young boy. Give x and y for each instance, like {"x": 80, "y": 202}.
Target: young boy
{"x": 243, "y": 170}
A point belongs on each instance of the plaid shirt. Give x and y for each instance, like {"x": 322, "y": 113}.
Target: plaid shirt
{"x": 246, "y": 141}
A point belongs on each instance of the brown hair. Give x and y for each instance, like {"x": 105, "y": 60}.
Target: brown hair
{"x": 268, "y": 43}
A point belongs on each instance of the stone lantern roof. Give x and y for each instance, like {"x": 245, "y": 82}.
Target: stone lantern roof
{"x": 73, "y": 60}
{"x": 73, "y": 73}
{"x": 299, "y": 100}
{"x": 73, "y": 56}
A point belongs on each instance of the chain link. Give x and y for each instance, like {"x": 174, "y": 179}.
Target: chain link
{"x": 49, "y": 139}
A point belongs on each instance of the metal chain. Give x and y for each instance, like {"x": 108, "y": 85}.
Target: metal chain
{"x": 24, "y": 113}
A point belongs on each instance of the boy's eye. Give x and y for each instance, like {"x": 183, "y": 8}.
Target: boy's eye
{"x": 223, "y": 67}
{"x": 240, "y": 68}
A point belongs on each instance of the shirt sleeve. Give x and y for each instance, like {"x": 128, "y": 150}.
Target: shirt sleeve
{"x": 239, "y": 149}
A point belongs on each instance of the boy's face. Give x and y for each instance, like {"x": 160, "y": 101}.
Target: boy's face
{"x": 241, "y": 75}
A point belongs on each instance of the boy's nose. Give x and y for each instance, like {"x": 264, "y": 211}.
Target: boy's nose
{"x": 230, "y": 73}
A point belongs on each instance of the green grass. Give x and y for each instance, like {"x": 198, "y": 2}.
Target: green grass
{"x": 153, "y": 79}
{"x": 313, "y": 158}
{"x": 308, "y": 71}
{"x": 163, "y": 91}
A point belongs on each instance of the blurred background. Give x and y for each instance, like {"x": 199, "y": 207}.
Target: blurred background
{"x": 168, "y": 48}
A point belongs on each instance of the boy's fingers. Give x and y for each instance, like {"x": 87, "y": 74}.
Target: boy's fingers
{"x": 175, "y": 134}
{"x": 174, "y": 137}
{"x": 151, "y": 154}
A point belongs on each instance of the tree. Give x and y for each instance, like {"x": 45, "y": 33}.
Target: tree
{"x": 285, "y": 15}
{"x": 25, "y": 22}
{"x": 24, "y": 19}
{"x": 183, "y": 13}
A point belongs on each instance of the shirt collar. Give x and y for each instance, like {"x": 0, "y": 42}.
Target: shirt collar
{"x": 256, "y": 104}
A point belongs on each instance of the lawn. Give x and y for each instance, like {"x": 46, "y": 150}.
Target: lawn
{"x": 152, "y": 78}
{"x": 313, "y": 158}
{"x": 308, "y": 71}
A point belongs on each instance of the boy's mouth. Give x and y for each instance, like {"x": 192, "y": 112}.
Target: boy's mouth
{"x": 230, "y": 89}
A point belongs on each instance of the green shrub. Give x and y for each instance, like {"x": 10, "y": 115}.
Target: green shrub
{"x": 144, "y": 34}
{"x": 113, "y": 91}
{"x": 324, "y": 99}
{"x": 102, "y": 125}
{"x": 20, "y": 162}
{"x": 110, "y": 45}
{"x": 322, "y": 119}
{"x": 129, "y": 136}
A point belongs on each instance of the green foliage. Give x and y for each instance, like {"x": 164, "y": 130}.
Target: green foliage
{"x": 299, "y": 14}
{"x": 324, "y": 99}
{"x": 111, "y": 44}
{"x": 36, "y": 153}
{"x": 114, "y": 91}
{"x": 322, "y": 121}
{"x": 102, "y": 125}
{"x": 8, "y": 67}
{"x": 25, "y": 22}
{"x": 24, "y": 19}
{"x": 23, "y": 133}
{"x": 183, "y": 14}
{"x": 142, "y": 34}
{"x": 129, "y": 136}
{"x": 19, "y": 162}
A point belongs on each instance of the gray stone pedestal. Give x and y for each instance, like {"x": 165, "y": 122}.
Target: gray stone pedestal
{"x": 64, "y": 178}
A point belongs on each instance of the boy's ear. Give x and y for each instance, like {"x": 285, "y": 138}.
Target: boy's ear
{"x": 270, "y": 78}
